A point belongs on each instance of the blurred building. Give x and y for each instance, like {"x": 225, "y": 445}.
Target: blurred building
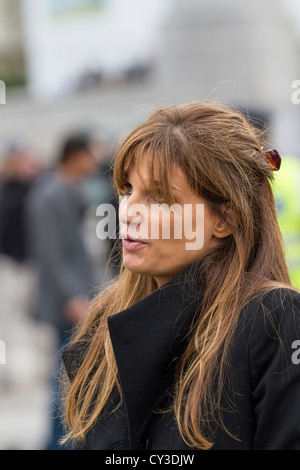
{"x": 243, "y": 52}
{"x": 246, "y": 53}
{"x": 249, "y": 48}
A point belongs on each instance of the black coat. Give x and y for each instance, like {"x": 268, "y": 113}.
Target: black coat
{"x": 261, "y": 400}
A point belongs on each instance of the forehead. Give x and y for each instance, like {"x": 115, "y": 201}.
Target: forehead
{"x": 142, "y": 172}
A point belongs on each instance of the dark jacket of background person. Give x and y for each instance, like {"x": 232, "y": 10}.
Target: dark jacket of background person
{"x": 13, "y": 235}
{"x": 63, "y": 266}
{"x": 260, "y": 399}
{"x": 21, "y": 168}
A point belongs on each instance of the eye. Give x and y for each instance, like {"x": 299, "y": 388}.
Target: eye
{"x": 126, "y": 190}
{"x": 158, "y": 197}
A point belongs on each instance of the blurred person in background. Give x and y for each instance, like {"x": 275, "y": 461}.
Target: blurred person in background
{"x": 101, "y": 190}
{"x": 21, "y": 168}
{"x": 65, "y": 278}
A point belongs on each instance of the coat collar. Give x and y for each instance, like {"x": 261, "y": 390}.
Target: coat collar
{"x": 147, "y": 337}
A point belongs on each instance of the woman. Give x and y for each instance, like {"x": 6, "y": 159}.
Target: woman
{"x": 191, "y": 346}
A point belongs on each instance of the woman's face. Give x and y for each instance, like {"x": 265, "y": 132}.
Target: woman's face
{"x": 161, "y": 240}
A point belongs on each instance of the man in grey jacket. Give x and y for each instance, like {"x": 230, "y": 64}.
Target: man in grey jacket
{"x": 55, "y": 208}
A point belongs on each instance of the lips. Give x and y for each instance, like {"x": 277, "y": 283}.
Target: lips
{"x": 131, "y": 243}
{"x": 126, "y": 236}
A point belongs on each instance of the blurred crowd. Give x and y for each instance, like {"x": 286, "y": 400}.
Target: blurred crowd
{"x": 49, "y": 253}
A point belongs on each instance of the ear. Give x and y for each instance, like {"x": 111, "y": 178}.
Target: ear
{"x": 226, "y": 223}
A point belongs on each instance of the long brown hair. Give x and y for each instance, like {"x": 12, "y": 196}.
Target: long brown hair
{"x": 221, "y": 155}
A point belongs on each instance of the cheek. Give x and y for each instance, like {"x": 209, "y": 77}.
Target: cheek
{"x": 158, "y": 226}
{"x": 122, "y": 210}
{"x": 166, "y": 224}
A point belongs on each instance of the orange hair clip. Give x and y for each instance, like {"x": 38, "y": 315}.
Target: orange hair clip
{"x": 273, "y": 159}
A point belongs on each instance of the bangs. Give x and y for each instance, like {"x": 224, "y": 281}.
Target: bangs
{"x": 159, "y": 167}
{"x": 164, "y": 146}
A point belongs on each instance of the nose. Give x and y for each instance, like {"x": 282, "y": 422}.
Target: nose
{"x": 132, "y": 214}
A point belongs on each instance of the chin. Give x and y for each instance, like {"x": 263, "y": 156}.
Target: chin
{"x": 133, "y": 266}
{"x": 139, "y": 268}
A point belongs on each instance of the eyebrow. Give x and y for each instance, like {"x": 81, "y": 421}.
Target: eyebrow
{"x": 158, "y": 183}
